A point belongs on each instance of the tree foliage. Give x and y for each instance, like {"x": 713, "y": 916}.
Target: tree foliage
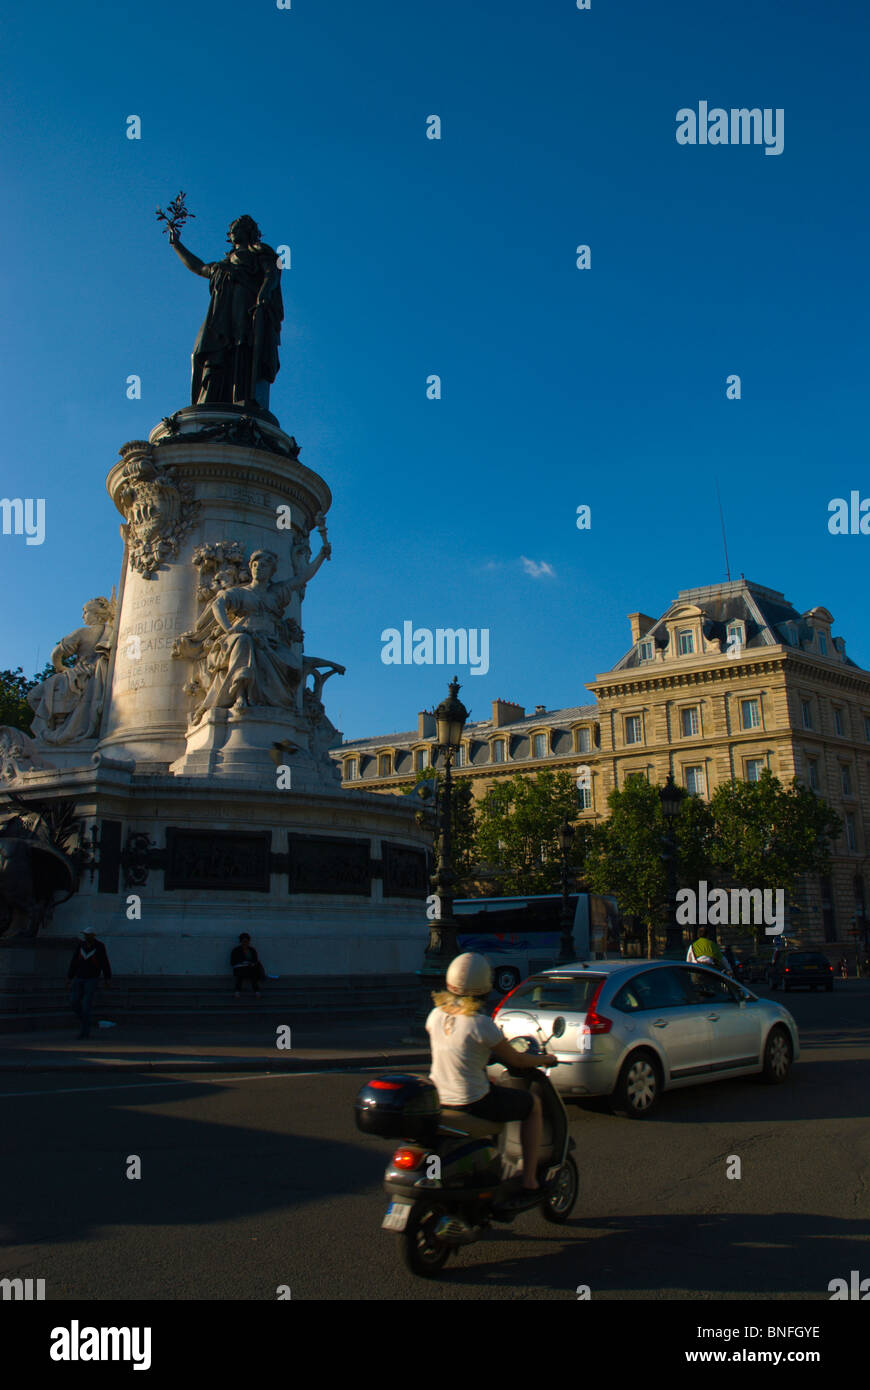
{"x": 518, "y": 830}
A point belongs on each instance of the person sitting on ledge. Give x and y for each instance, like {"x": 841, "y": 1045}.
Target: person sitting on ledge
{"x": 246, "y": 965}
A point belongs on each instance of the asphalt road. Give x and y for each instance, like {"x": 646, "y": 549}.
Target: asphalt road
{"x": 253, "y": 1182}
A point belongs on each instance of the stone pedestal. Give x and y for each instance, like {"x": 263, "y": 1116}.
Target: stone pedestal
{"x": 195, "y": 483}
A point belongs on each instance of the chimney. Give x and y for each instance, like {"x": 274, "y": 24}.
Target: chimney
{"x": 540, "y": 709}
{"x": 505, "y": 712}
{"x": 426, "y": 724}
{"x": 640, "y": 625}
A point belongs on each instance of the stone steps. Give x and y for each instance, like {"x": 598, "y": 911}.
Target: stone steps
{"x": 27, "y": 1003}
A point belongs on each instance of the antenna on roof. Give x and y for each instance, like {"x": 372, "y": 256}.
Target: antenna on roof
{"x": 724, "y": 541}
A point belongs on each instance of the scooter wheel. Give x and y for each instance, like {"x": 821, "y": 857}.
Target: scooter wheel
{"x": 422, "y": 1252}
{"x": 560, "y": 1200}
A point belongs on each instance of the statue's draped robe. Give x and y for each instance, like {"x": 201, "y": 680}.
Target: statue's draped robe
{"x": 67, "y": 705}
{"x": 223, "y": 354}
{"x": 257, "y": 651}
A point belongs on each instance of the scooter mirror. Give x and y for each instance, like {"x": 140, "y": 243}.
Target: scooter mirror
{"x": 558, "y": 1027}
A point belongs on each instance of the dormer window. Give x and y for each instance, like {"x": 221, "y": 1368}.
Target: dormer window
{"x": 385, "y": 765}
{"x": 540, "y": 745}
{"x": 645, "y": 651}
{"x": 685, "y": 641}
{"x": 421, "y": 759}
{"x": 350, "y": 769}
{"x": 497, "y": 753}
{"x": 823, "y": 644}
{"x": 584, "y": 741}
{"x": 736, "y": 637}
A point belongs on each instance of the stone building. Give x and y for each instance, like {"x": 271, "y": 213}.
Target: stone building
{"x": 730, "y": 680}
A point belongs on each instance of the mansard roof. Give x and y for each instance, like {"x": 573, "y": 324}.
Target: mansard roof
{"x": 477, "y": 729}
{"x": 769, "y": 620}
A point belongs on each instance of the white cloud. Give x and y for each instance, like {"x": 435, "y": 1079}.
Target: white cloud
{"x": 538, "y": 570}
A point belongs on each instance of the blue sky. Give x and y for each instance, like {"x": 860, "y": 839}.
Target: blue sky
{"x": 456, "y": 257}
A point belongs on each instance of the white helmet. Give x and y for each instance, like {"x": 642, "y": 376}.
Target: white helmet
{"x": 469, "y": 974}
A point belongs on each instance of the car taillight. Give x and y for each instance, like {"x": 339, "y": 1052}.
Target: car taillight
{"x": 501, "y": 1003}
{"x": 786, "y": 969}
{"x": 831, "y": 968}
{"x": 408, "y": 1158}
{"x": 596, "y": 1022}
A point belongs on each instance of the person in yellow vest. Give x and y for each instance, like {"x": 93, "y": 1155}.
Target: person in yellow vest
{"x": 705, "y": 951}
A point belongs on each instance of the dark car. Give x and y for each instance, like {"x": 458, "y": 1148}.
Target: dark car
{"x": 801, "y": 970}
{"x": 752, "y": 968}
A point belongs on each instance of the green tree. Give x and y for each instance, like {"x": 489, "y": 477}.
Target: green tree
{"x": 14, "y": 685}
{"x": 768, "y": 835}
{"x": 14, "y": 709}
{"x": 626, "y": 855}
{"x": 518, "y": 830}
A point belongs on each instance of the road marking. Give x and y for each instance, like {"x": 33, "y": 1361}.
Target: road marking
{"x": 194, "y": 1076}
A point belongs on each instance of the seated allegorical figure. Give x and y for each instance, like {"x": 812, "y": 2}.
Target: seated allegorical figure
{"x": 67, "y": 705}
{"x": 249, "y": 653}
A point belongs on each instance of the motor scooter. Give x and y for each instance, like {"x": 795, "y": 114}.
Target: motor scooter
{"x": 455, "y": 1175}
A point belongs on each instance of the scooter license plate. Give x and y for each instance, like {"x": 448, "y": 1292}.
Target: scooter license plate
{"x": 397, "y": 1215}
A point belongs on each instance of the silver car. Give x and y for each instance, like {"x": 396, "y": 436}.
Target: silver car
{"x": 637, "y": 1028}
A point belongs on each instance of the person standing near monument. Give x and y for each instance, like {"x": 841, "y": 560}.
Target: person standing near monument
{"x": 89, "y": 962}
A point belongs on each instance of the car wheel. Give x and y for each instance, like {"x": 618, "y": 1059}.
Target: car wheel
{"x": 560, "y": 1202}
{"x": 506, "y": 979}
{"x": 777, "y": 1059}
{"x": 639, "y": 1086}
{"x": 422, "y": 1252}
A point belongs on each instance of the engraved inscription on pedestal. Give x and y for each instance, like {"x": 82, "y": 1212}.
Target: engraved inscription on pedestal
{"x": 218, "y": 859}
{"x": 321, "y": 864}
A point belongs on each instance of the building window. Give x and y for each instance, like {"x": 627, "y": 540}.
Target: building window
{"x": 754, "y": 769}
{"x": 540, "y": 745}
{"x": 584, "y": 798}
{"x": 459, "y": 759}
{"x": 735, "y": 637}
{"x": 823, "y": 644}
{"x": 498, "y": 750}
{"x": 385, "y": 765}
{"x": 694, "y": 778}
{"x": 750, "y": 717}
{"x": 350, "y": 769}
{"x": 633, "y": 728}
{"x": 813, "y": 766}
{"x": 691, "y": 722}
{"x": 645, "y": 651}
{"x": 846, "y": 781}
{"x": 421, "y": 759}
{"x": 850, "y": 830}
{"x": 838, "y": 720}
{"x": 584, "y": 740}
{"x": 686, "y": 641}
{"x": 806, "y": 714}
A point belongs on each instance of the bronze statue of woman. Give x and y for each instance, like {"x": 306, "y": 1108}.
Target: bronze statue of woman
{"x": 235, "y": 357}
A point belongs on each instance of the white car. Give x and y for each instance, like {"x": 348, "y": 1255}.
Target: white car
{"x": 637, "y": 1028}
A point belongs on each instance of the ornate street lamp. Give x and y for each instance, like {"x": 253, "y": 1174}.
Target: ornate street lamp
{"x": 672, "y": 800}
{"x": 450, "y": 717}
{"x": 566, "y": 949}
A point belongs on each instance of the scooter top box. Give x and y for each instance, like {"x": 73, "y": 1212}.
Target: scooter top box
{"x": 399, "y": 1106}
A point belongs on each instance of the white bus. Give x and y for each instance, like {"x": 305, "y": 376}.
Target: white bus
{"x": 520, "y": 936}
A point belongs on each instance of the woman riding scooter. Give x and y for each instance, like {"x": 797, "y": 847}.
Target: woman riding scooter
{"x": 462, "y": 1040}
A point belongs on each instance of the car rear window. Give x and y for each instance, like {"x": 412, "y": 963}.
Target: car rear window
{"x": 806, "y": 958}
{"x": 555, "y": 992}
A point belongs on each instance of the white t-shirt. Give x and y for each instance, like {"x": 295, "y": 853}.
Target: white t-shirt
{"x": 461, "y": 1044}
